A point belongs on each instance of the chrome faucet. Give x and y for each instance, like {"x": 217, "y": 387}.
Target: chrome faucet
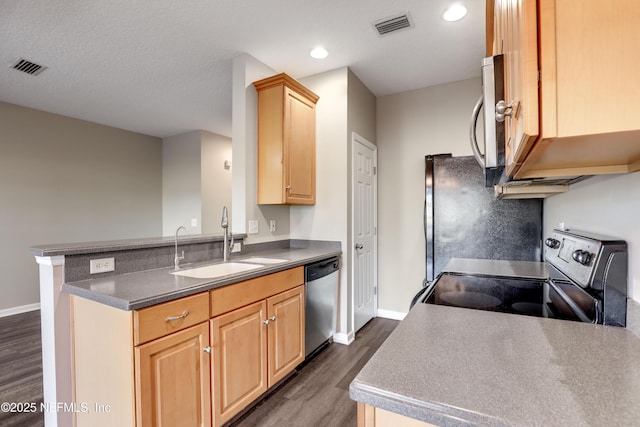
{"x": 176, "y": 258}
{"x": 225, "y": 226}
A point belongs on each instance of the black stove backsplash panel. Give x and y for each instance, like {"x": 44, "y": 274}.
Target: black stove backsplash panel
{"x": 469, "y": 222}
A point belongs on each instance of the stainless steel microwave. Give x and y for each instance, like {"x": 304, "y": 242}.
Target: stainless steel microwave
{"x": 493, "y": 159}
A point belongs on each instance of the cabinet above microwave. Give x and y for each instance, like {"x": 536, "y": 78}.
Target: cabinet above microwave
{"x": 571, "y": 85}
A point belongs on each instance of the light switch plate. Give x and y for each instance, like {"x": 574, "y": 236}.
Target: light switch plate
{"x": 272, "y": 225}
{"x": 102, "y": 265}
{"x": 253, "y": 226}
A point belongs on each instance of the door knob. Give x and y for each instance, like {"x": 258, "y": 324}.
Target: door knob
{"x": 359, "y": 246}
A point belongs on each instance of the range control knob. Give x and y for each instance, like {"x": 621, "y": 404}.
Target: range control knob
{"x": 581, "y": 257}
{"x": 552, "y": 243}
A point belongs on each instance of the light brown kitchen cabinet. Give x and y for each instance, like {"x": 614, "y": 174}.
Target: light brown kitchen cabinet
{"x": 515, "y": 27}
{"x": 571, "y": 82}
{"x": 142, "y": 368}
{"x": 173, "y": 386}
{"x": 371, "y": 416}
{"x": 286, "y": 142}
{"x": 285, "y": 313}
{"x": 239, "y": 360}
{"x": 257, "y": 340}
{"x": 194, "y": 361}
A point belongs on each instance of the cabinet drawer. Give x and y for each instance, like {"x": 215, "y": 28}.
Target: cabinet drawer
{"x": 238, "y": 295}
{"x": 163, "y": 319}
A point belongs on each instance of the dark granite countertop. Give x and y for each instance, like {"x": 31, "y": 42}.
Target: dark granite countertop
{"x": 453, "y": 366}
{"x": 132, "y": 291}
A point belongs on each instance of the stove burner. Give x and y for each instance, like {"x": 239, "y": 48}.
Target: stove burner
{"x": 469, "y": 299}
{"x": 529, "y": 308}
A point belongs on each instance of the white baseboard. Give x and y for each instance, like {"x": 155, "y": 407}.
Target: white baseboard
{"x": 345, "y": 339}
{"x": 394, "y": 315}
{"x": 21, "y": 309}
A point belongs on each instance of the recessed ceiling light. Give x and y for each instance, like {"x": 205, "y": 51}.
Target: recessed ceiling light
{"x": 319, "y": 53}
{"x": 454, "y": 13}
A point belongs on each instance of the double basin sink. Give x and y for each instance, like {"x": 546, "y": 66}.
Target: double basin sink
{"x": 227, "y": 268}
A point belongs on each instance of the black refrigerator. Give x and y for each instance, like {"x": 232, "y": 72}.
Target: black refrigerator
{"x": 463, "y": 219}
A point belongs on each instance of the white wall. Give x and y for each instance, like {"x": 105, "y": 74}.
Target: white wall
{"x": 327, "y": 220}
{"x": 64, "y": 180}
{"x": 310, "y": 222}
{"x": 345, "y": 106}
{"x": 411, "y": 125}
{"x": 215, "y": 180}
{"x": 609, "y": 205}
{"x": 181, "y": 183}
{"x": 195, "y": 184}
{"x": 246, "y": 70}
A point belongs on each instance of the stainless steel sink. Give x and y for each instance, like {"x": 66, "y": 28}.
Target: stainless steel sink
{"x": 217, "y": 270}
{"x": 261, "y": 260}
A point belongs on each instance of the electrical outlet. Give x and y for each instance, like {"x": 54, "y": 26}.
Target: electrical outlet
{"x": 194, "y": 222}
{"x": 272, "y": 225}
{"x": 102, "y": 265}
{"x": 237, "y": 247}
{"x": 253, "y": 226}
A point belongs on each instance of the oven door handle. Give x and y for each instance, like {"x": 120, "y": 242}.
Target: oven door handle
{"x": 572, "y": 305}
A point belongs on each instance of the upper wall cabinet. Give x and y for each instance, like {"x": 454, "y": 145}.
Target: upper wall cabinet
{"x": 286, "y": 142}
{"x": 571, "y": 85}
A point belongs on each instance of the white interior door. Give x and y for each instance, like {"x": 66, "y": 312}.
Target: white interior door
{"x": 364, "y": 205}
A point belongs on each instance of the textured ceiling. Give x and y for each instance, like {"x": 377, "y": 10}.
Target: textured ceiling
{"x": 163, "y": 67}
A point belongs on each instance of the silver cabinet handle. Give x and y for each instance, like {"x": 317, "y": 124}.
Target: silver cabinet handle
{"x": 272, "y": 318}
{"x": 266, "y": 322}
{"x": 182, "y": 316}
{"x": 503, "y": 109}
{"x": 359, "y": 246}
{"x": 288, "y": 187}
{"x": 207, "y": 350}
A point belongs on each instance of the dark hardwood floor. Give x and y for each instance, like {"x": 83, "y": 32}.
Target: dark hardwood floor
{"x": 21, "y": 368}
{"x": 317, "y": 395}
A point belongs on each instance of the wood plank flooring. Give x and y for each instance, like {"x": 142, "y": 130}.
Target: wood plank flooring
{"x": 317, "y": 395}
{"x": 21, "y": 368}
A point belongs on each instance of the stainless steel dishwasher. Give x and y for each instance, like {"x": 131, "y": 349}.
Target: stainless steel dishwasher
{"x": 321, "y": 303}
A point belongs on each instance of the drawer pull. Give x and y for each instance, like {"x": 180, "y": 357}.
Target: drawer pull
{"x": 272, "y": 318}
{"x": 182, "y": 316}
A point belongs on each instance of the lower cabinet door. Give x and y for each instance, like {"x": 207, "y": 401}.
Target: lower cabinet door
{"x": 239, "y": 359}
{"x": 285, "y": 312}
{"x": 173, "y": 386}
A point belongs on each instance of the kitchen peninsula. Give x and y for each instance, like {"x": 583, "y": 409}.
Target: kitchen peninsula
{"x": 107, "y": 316}
{"x": 451, "y": 366}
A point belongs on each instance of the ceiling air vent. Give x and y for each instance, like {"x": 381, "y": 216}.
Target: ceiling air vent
{"x": 392, "y": 24}
{"x": 28, "y": 67}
